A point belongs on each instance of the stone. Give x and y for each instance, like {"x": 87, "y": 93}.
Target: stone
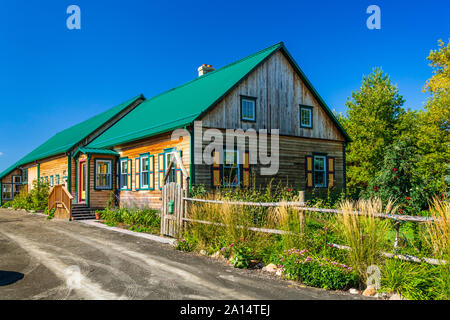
{"x": 270, "y": 268}
{"x": 216, "y": 255}
{"x": 396, "y": 296}
{"x": 353, "y": 291}
{"x": 203, "y": 252}
{"x": 279, "y": 272}
{"x": 370, "y": 291}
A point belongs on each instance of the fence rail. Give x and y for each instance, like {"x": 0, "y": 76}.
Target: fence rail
{"x": 302, "y": 206}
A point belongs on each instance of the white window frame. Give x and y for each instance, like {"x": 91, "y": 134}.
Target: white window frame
{"x": 108, "y": 174}
{"x": 123, "y": 186}
{"x": 310, "y": 111}
{"x": 225, "y": 165}
{"x": 251, "y": 100}
{"x": 324, "y": 184}
{"x": 10, "y": 185}
{"x": 167, "y": 162}
{"x": 142, "y": 172}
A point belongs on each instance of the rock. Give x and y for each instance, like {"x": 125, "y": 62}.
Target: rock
{"x": 354, "y": 291}
{"x": 203, "y": 252}
{"x": 396, "y": 296}
{"x": 370, "y": 291}
{"x": 216, "y": 255}
{"x": 279, "y": 272}
{"x": 270, "y": 268}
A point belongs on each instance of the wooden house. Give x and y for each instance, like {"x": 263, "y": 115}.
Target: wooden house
{"x": 128, "y": 154}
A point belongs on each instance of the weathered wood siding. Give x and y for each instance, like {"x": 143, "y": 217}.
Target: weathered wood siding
{"x": 279, "y": 92}
{"x": 32, "y": 176}
{"x": 292, "y": 167}
{"x": 8, "y": 178}
{"x": 53, "y": 166}
{"x": 154, "y": 146}
{"x": 73, "y": 180}
{"x": 99, "y": 198}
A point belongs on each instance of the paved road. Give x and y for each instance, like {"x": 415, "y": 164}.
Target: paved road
{"x": 40, "y": 259}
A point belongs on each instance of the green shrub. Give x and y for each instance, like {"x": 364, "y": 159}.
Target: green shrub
{"x": 317, "y": 272}
{"x": 36, "y": 199}
{"x": 51, "y": 213}
{"x": 7, "y": 204}
{"x": 141, "y": 220}
{"x": 186, "y": 245}
{"x": 411, "y": 280}
{"x": 242, "y": 257}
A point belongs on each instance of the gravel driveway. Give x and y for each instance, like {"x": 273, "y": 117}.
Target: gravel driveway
{"x": 53, "y": 259}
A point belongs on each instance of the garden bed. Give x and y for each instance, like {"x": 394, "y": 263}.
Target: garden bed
{"x": 304, "y": 252}
{"x": 133, "y": 219}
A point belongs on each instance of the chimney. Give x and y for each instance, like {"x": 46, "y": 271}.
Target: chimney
{"x": 204, "y": 69}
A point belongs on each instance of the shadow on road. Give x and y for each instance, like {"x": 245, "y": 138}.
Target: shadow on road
{"x": 9, "y": 277}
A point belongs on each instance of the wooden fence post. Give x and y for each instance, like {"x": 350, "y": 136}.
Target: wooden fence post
{"x": 301, "y": 213}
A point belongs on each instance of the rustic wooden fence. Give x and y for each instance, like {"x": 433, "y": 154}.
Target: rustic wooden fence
{"x": 174, "y": 215}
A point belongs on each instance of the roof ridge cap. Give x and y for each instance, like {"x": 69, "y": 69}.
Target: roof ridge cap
{"x": 281, "y": 44}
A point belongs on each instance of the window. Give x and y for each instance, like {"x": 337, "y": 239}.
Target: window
{"x": 17, "y": 180}
{"x": 306, "y": 117}
{"x": 103, "y": 176}
{"x": 145, "y": 166}
{"x": 25, "y": 176}
{"x": 248, "y": 108}
{"x": 51, "y": 181}
{"x": 16, "y": 185}
{"x": 172, "y": 173}
{"x": 230, "y": 168}
{"x": 7, "y": 191}
{"x": 320, "y": 171}
{"x": 57, "y": 179}
{"x": 124, "y": 174}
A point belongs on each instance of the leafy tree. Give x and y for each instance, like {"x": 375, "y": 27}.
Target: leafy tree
{"x": 434, "y": 133}
{"x": 372, "y": 121}
{"x": 398, "y": 180}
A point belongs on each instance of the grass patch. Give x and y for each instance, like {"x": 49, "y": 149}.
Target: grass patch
{"x": 135, "y": 219}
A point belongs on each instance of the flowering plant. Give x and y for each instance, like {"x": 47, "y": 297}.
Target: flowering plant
{"x": 317, "y": 272}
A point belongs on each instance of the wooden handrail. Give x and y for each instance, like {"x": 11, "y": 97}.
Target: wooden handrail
{"x": 60, "y": 195}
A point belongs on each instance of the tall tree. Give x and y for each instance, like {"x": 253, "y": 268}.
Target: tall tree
{"x": 372, "y": 121}
{"x": 434, "y": 134}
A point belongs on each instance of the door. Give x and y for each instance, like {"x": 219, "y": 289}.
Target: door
{"x": 32, "y": 176}
{"x": 82, "y": 182}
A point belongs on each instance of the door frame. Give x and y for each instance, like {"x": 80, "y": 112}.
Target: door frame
{"x": 82, "y": 162}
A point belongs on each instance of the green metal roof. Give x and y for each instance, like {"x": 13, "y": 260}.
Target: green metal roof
{"x": 182, "y": 105}
{"x": 67, "y": 139}
{"x": 96, "y": 151}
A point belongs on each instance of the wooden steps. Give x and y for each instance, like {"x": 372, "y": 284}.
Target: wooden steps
{"x": 82, "y": 212}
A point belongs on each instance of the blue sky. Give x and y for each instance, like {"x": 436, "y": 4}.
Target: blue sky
{"x": 52, "y": 77}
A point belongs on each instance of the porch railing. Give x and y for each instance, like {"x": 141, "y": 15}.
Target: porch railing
{"x": 60, "y": 199}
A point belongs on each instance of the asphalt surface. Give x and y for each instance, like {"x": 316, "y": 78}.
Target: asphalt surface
{"x": 53, "y": 259}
